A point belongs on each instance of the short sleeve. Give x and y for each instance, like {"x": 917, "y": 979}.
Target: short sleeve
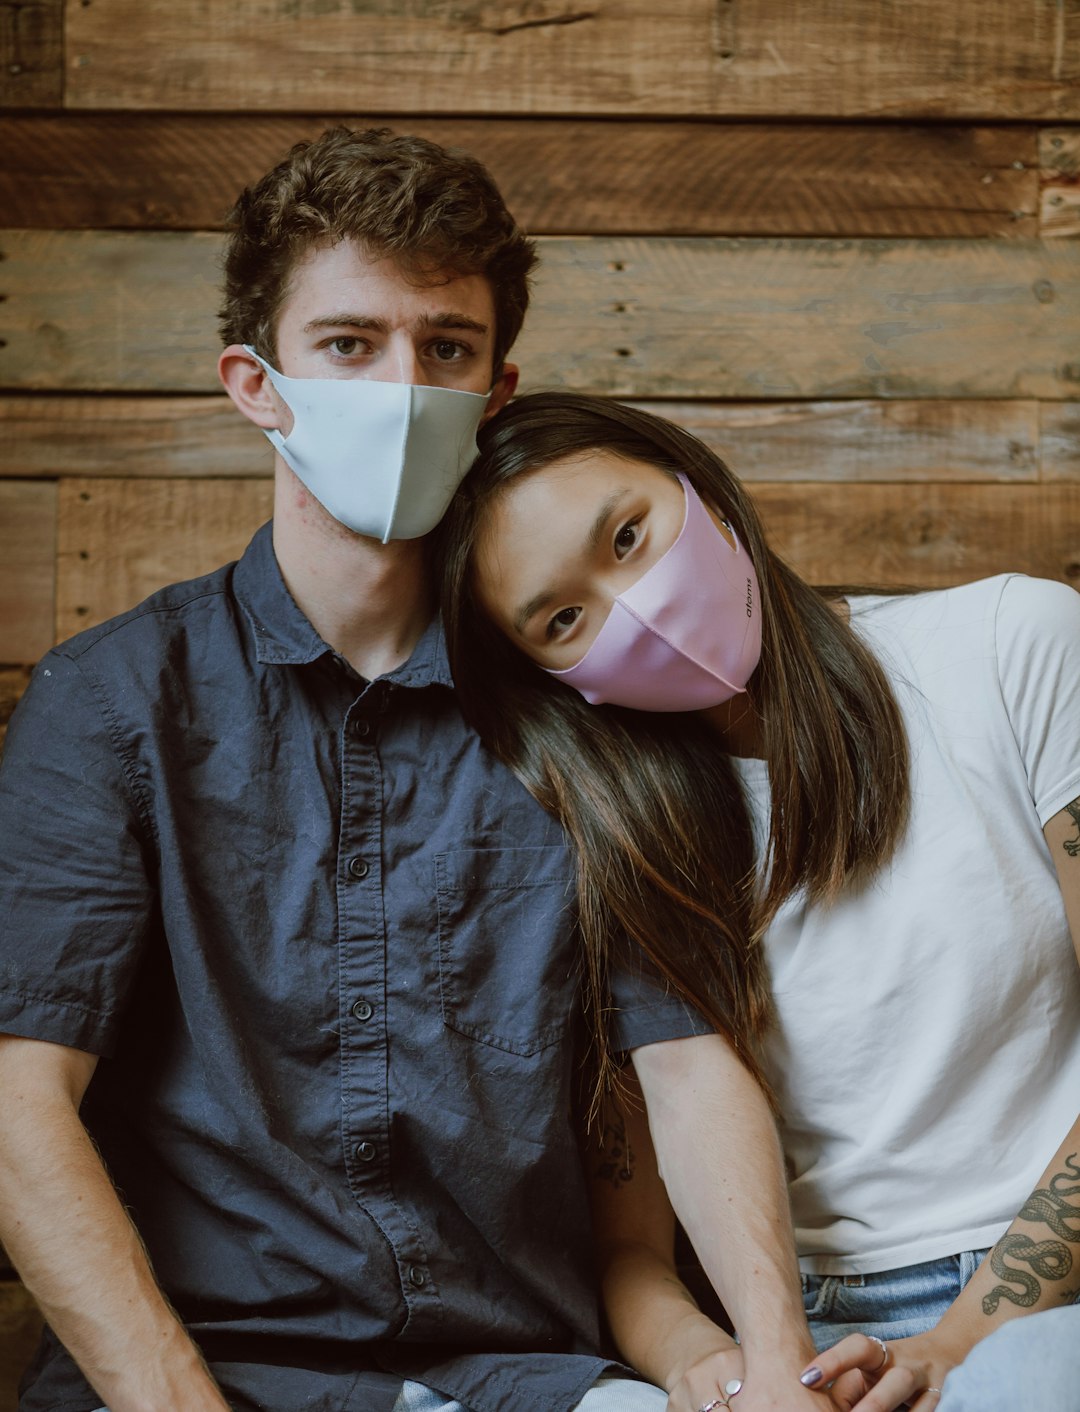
{"x": 1038, "y": 653}
{"x": 75, "y": 894}
{"x": 643, "y": 1010}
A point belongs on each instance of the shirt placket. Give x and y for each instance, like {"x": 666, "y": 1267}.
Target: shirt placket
{"x": 362, "y": 949}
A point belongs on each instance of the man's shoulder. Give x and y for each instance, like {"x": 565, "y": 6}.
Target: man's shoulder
{"x": 169, "y": 611}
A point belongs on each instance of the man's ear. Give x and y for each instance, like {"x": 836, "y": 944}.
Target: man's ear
{"x": 249, "y": 387}
{"x": 502, "y": 390}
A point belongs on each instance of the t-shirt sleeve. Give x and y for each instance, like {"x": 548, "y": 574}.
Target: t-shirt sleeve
{"x": 1038, "y": 654}
{"x": 75, "y": 869}
{"x": 643, "y": 1010}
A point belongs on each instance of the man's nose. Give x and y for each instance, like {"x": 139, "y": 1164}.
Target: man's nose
{"x": 403, "y": 363}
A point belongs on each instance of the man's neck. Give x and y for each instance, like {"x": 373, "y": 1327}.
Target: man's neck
{"x": 368, "y": 601}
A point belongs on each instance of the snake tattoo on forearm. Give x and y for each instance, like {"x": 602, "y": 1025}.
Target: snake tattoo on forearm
{"x": 1049, "y": 1259}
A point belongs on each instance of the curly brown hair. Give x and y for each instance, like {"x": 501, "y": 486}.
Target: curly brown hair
{"x": 434, "y": 210}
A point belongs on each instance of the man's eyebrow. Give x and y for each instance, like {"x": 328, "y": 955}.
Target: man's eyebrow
{"x": 370, "y": 321}
{"x": 452, "y": 320}
{"x": 446, "y": 319}
{"x": 592, "y": 539}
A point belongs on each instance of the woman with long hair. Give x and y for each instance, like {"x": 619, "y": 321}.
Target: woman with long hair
{"x": 845, "y": 826}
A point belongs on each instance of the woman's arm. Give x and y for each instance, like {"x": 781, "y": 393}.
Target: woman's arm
{"x": 719, "y": 1165}
{"x": 1034, "y": 1266}
{"x": 653, "y": 1318}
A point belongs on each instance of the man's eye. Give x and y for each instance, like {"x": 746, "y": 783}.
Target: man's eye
{"x": 345, "y": 347}
{"x": 448, "y": 349}
{"x": 626, "y": 538}
{"x": 561, "y": 621}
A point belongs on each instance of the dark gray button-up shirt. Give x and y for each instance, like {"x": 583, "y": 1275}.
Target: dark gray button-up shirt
{"x": 324, "y": 944}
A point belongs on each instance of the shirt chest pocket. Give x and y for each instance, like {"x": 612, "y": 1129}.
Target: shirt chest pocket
{"x": 508, "y": 971}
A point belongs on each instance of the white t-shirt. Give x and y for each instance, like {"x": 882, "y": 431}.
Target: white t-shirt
{"x": 927, "y": 1058}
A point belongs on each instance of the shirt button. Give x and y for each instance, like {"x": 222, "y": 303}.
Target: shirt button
{"x": 417, "y": 1278}
{"x": 361, "y": 727}
{"x": 365, "y": 1151}
{"x": 358, "y": 867}
{"x": 363, "y": 1010}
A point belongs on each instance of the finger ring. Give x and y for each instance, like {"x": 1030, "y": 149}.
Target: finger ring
{"x": 884, "y": 1351}
{"x": 731, "y": 1387}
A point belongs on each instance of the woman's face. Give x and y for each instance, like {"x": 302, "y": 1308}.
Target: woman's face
{"x": 559, "y": 544}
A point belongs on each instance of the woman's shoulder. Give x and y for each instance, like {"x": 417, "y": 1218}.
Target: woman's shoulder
{"x": 1011, "y": 601}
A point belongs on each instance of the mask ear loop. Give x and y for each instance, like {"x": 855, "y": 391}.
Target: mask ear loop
{"x": 272, "y": 434}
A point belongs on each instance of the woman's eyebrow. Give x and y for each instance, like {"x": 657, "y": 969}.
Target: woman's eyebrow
{"x": 592, "y": 539}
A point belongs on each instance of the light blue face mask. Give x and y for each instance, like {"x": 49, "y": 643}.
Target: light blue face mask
{"x": 384, "y": 458}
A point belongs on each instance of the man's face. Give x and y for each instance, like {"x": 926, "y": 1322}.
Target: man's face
{"x": 348, "y": 316}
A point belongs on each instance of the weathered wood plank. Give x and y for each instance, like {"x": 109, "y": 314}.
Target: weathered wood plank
{"x": 867, "y": 441}
{"x": 27, "y": 553}
{"x": 182, "y": 172}
{"x": 122, "y": 539}
{"x": 20, "y": 1322}
{"x": 839, "y": 58}
{"x": 119, "y": 540}
{"x": 13, "y": 682}
{"x": 105, "y": 435}
{"x": 114, "y": 311}
{"x": 31, "y": 53}
{"x": 1059, "y": 204}
{"x": 1059, "y": 438}
{"x": 882, "y": 534}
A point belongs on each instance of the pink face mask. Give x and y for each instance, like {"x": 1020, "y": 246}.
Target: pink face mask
{"x": 687, "y": 635}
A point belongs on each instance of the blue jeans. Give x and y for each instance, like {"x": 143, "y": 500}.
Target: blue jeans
{"x": 893, "y": 1304}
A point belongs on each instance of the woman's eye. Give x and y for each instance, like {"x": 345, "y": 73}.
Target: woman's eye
{"x": 561, "y": 621}
{"x": 626, "y": 538}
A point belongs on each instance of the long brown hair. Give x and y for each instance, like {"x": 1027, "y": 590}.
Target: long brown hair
{"x": 655, "y": 810}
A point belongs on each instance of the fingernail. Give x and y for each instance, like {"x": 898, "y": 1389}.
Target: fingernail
{"x": 810, "y": 1377}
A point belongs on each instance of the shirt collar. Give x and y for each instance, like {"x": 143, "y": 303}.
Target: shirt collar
{"x": 284, "y": 637}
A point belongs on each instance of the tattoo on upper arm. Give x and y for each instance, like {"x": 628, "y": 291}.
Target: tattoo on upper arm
{"x": 616, "y": 1164}
{"x": 1049, "y": 1259}
{"x": 1072, "y": 845}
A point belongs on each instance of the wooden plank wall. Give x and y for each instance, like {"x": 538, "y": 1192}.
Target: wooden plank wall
{"x": 839, "y": 240}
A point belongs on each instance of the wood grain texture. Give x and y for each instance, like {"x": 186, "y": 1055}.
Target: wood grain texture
{"x": 119, "y": 540}
{"x": 13, "y": 682}
{"x": 837, "y": 58}
{"x": 31, "y": 53}
{"x": 106, "y": 435}
{"x": 20, "y": 1322}
{"x": 1059, "y": 202}
{"x": 586, "y": 177}
{"x": 658, "y": 317}
{"x": 27, "y": 563}
{"x": 1059, "y": 439}
{"x": 882, "y": 534}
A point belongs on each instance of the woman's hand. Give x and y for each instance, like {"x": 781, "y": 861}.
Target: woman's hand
{"x": 911, "y": 1373}
{"x": 705, "y": 1381}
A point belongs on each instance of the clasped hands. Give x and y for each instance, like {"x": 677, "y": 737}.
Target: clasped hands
{"x": 853, "y": 1376}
